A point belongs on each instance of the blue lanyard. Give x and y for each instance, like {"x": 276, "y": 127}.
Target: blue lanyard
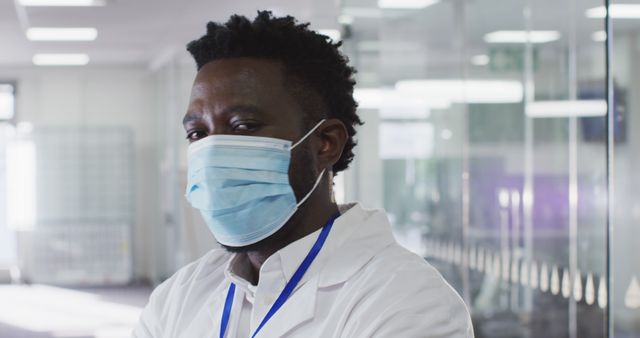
{"x": 288, "y": 289}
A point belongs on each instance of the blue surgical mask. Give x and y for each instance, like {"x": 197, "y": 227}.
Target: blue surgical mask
{"x": 241, "y": 185}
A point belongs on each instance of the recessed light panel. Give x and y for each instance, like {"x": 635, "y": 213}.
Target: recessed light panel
{"x": 61, "y": 3}
{"x": 567, "y": 108}
{"x": 61, "y": 34}
{"x": 618, "y": 11}
{"x": 60, "y": 59}
{"x": 406, "y": 4}
{"x": 522, "y": 36}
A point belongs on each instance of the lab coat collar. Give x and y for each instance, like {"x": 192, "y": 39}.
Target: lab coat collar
{"x": 292, "y": 255}
{"x": 356, "y": 236}
{"x": 286, "y": 261}
{"x": 238, "y": 267}
{"x": 304, "y": 304}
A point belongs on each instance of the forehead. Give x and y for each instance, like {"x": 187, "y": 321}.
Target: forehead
{"x": 228, "y": 89}
{"x": 245, "y": 78}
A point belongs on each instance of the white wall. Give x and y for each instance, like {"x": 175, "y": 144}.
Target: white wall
{"x": 167, "y": 232}
{"x": 104, "y": 96}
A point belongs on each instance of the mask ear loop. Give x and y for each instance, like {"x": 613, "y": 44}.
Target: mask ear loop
{"x": 315, "y": 185}
{"x": 307, "y": 134}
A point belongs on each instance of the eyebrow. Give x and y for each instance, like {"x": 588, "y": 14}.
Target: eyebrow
{"x": 240, "y": 108}
{"x": 190, "y": 117}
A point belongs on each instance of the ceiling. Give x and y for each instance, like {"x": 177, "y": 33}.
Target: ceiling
{"x": 142, "y": 32}
{"x": 137, "y": 32}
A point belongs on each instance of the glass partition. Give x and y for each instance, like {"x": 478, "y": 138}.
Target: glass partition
{"x": 486, "y": 121}
{"x": 625, "y": 148}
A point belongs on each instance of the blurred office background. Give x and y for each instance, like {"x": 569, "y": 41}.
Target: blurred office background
{"x": 502, "y": 137}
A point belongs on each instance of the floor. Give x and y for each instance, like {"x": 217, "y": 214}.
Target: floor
{"x": 30, "y": 311}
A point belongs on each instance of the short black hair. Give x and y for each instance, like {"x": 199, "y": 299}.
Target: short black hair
{"x": 312, "y": 59}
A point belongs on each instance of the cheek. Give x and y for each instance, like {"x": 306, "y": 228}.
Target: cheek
{"x": 302, "y": 170}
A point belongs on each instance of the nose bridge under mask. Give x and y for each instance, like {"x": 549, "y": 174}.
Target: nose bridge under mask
{"x": 307, "y": 134}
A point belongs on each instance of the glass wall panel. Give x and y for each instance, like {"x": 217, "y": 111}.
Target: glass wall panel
{"x": 491, "y": 127}
{"x": 625, "y": 144}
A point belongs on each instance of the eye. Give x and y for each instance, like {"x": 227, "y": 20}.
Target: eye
{"x": 195, "y": 135}
{"x": 245, "y": 126}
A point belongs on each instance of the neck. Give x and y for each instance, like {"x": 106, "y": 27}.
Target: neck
{"x": 304, "y": 222}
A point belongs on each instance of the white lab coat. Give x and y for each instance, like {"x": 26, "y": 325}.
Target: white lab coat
{"x": 361, "y": 284}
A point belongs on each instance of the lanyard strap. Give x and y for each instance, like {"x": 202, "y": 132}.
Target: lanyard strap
{"x": 289, "y": 287}
{"x": 226, "y": 313}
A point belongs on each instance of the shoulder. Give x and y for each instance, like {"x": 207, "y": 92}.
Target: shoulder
{"x": 182, "y": 292}
{"x": 203, "y": 271}
{"x": 411, "y": 297}
{"x": 400, "y": 263}
{"x": 214, "y": 261}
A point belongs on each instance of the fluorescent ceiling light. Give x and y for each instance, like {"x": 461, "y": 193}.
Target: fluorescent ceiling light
{"x": 480, "y": 60}
{"x": 465, "y": 91}
{"x": 333, "y": 34}
{"x": 406, "y": 4}
{"x": 389, "y": 98}
{"x": 62, "y": 34}
{"x": 599, "y": 36}
{"x": 521, "y": 36}
{"x": 58, "y": 3}
{"x": 60, "y": 59}
{"x": 618, "y": 11}
{"x": 567, "y": 108}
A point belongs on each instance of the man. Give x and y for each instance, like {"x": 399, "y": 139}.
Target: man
{"x": 271, "y": 120}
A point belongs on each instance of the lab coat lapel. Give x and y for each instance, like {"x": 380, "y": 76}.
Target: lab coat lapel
{"x": 210, "y": 319}
{"x": 364, "y": 234}
{"x": 349, "y": 256}
{"x": 299, "y": 308}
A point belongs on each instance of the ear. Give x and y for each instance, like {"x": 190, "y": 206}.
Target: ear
{"x": 332, "y": 138}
